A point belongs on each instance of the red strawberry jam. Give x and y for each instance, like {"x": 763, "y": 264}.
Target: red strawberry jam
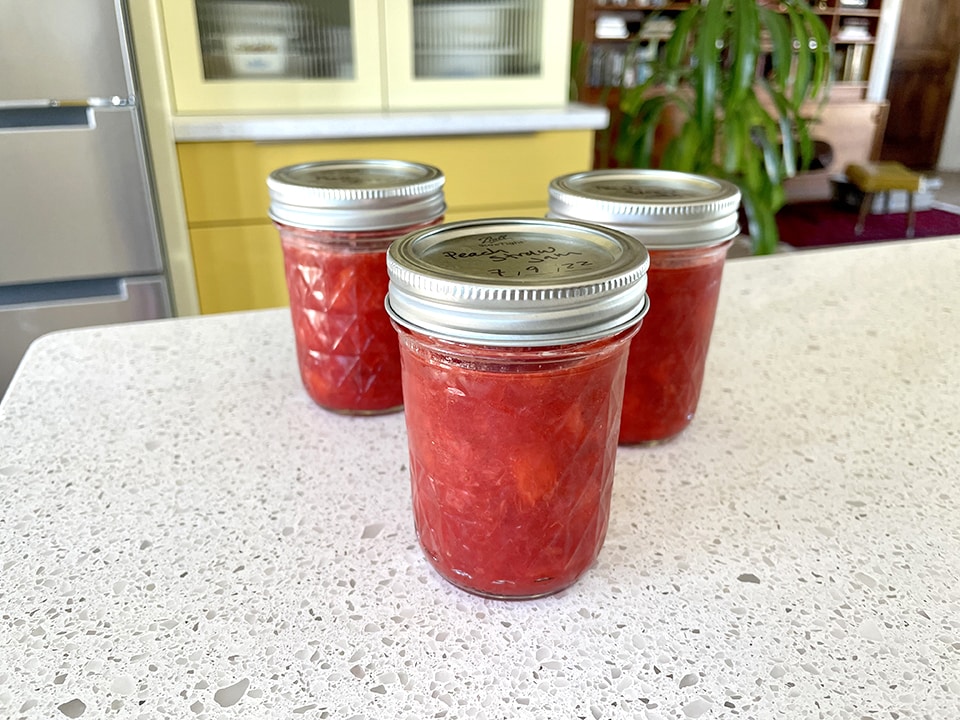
{"x": 668, "y": 355}
{"x": 512, "y": 456}
{"x": 346, "y": 347}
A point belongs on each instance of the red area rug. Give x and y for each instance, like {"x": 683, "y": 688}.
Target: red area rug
{"x": 819, "y": 224}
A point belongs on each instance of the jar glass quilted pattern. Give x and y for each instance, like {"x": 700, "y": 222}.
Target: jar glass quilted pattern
{"x": 346, "y": 347}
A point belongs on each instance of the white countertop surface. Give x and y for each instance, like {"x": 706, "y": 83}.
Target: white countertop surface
{"x": 289, "y": 127}
{"x": 185, "y": 535}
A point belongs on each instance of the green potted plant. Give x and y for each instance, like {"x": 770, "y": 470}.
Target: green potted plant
{"x": 729, "y": 96}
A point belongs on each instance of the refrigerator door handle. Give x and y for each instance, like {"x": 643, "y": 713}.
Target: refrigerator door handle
{"x": 35, "y": 295}
{"x": 47, "y": 116}
{"x": 113, "y": 101}
{"x": 33, "y": 103}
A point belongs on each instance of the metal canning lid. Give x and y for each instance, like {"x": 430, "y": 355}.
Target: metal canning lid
{"x": 662, "y": 208}
{"x": 356, "y": 194}
{"x": 517, "y": 281}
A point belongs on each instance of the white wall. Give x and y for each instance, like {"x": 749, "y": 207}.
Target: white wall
{"x": 950, "y": 147}
{"x": 886, "y": 40}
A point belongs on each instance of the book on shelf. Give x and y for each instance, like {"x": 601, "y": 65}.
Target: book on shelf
{"x": 856, "y": 63}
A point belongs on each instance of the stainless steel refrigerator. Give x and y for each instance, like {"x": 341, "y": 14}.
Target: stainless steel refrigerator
{"x": 79, "y": 233}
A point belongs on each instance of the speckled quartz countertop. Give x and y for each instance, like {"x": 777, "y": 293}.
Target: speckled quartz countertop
{"x": 184, "y": 535}
{"x": 492, "y": 121}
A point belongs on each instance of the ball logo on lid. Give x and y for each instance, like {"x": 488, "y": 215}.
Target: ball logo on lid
{"x": 647, "y": 192}
{"x": 489, "y": 240}
{"x": 348, "y": 178}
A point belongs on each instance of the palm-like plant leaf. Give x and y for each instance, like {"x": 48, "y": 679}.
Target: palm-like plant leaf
{"x": 746, "y": 48}
{"x": 735, "y": 122}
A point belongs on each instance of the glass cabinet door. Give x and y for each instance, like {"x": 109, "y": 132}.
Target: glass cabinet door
{"x": 477, "y": 53}
{"x": 232, "y": 56}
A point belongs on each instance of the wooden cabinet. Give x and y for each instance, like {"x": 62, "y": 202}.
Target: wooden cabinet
{"x": 854, "y": 131}
{"x": 238, "y": 56}
{"x": 617, "y": 39}
{"x": 236, "y": 250}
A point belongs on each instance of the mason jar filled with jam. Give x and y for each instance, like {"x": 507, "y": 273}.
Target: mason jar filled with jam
{"x": 513, "y": 338}
{"x": 336, "y": 220}
{"x": 687, "y": 222}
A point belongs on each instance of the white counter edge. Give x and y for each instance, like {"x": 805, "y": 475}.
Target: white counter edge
{"x": 266, "y": 128}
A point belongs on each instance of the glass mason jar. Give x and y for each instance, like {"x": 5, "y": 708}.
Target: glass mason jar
{"x": 687, "y": 222}
{"x": 513, "y": 338}
{"x": 336, "y": 220}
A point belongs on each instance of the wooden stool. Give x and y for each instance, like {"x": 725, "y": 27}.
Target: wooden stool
{"x": 882, "y": 177}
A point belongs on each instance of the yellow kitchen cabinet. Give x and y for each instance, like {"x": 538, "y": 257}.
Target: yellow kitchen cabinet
{"x": 240, "y": 56}
{"x": 236, "y": 251}
{"x": 212, "y": 71}
{"x": 504, "y": 54}
{"x": 238, "y": 267}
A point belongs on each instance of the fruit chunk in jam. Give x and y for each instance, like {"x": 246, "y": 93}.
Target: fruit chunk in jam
{"x": 668, "y": 355}
{"x": 512, "y": 456}
{"x": 346, "y": 347}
